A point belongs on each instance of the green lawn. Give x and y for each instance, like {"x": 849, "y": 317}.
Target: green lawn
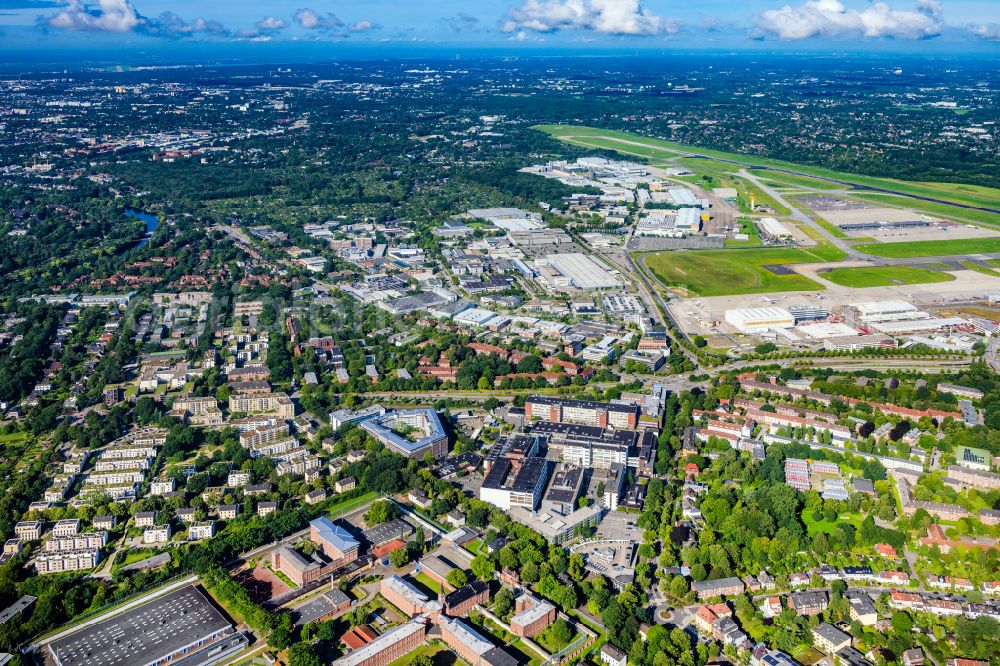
{"x": 422, "y": 651}
{"x": 426, "y": 581}
{"x": 931, "y": 248}
{"x": 885, "y": 276}
{"x": 549, "y": 643}
{"x": 750, "y": 229}
{"x": 788, "y": 179}
{"x": 731, "y": 272}
{"x": 534, "y": 659}
{"x": 814, "y": 526}
{"x": 339, "y": 508}
{"x": 659, "y": 148}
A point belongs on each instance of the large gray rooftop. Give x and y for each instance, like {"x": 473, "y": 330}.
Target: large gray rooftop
{"x": 144, "y": 634}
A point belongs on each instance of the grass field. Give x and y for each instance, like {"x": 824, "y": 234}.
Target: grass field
{"x": 653, "y": 148}
{"x": 549, "y": 643}
{"x": 533, "y": 657}
{"x": 732, "y": 272}
{"x": 749, "y": 228}
{"x": 787, "y": 179}
{"x": 814, "y": 526}
{"x": 431, "y": 651}
{"x": 338, "y": 509}
{"x": 885, "y": 276}
{"x": 931, "y": 248}
{"x": 426, "y": 581}
{"x": 475, "y": 546}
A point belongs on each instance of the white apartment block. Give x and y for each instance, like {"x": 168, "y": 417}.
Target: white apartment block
{"x": 121, "y": 464}
{"x": 49, "y": 563}
{"x": 203, "y": 530}
{"x": 114, "y": 478}
{"x": 162, "y": 487}
{"x": 29, "y": 530}
{"x": 238, "y": 479}
{"x": 156, "y": 534}
{"x": 135, "y": 450}
{"x": 64, "y": 528}
{"x": 85, "y": 541}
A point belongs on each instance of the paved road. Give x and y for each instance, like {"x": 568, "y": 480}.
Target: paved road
{"x": 800, "y": 216}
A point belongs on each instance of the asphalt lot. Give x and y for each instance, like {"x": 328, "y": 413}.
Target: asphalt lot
{"x": 619, "y": 525}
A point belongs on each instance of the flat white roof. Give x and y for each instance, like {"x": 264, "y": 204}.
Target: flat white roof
{"x": 532, "y": 613}
{"x": 883, "y": 307}
{"x": 931, "y": 324}
{"x": 773, "y": 227}
{"x": 825, "y": 330}
{"x": 759, "y": 314}
{"x": 584, "y": 272}
{"x": 468, "y": 636}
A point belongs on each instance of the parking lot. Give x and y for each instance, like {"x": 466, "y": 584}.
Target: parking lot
{"x": 619, "y": 526}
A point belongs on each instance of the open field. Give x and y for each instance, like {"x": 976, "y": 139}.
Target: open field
{"x": 884, "y": 276}
{"x": 778, "y": 179}
{"x": 653, "y": 148}
{"x": 931, "y": 248}
{"x": 814, "y": 526}
{"x": 730, "y": 272}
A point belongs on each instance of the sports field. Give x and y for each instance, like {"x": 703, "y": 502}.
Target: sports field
{"x": 653, "y": 149}
{"x": 931, "y": 248}
{"x": 733, "y": 272}
{"x": 885, "y": 276}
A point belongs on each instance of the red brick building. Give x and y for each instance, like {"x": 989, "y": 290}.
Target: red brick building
{"x": 467, "y": 597}
{"x": 531, "y": 616}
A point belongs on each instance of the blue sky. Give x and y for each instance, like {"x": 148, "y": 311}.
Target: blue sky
{"x": 29, "y": 26}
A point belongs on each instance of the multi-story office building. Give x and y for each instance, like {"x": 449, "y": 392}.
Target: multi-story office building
{"x": 583, "y": 412}
{"x": 515, "y": 483}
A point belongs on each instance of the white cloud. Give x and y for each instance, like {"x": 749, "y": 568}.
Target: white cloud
{"x": 106, "y": 16}
{"x": 169, "y": 24}
{"x": 609, "y": 17}
{"x": 263, "y": 29}
{"x": 313, "y": 20}
{"x": 832, "y": 19}
{"x": 363, "y": 26}
{"x": 990, "y": 31}
{"x": 122, "y": 16}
